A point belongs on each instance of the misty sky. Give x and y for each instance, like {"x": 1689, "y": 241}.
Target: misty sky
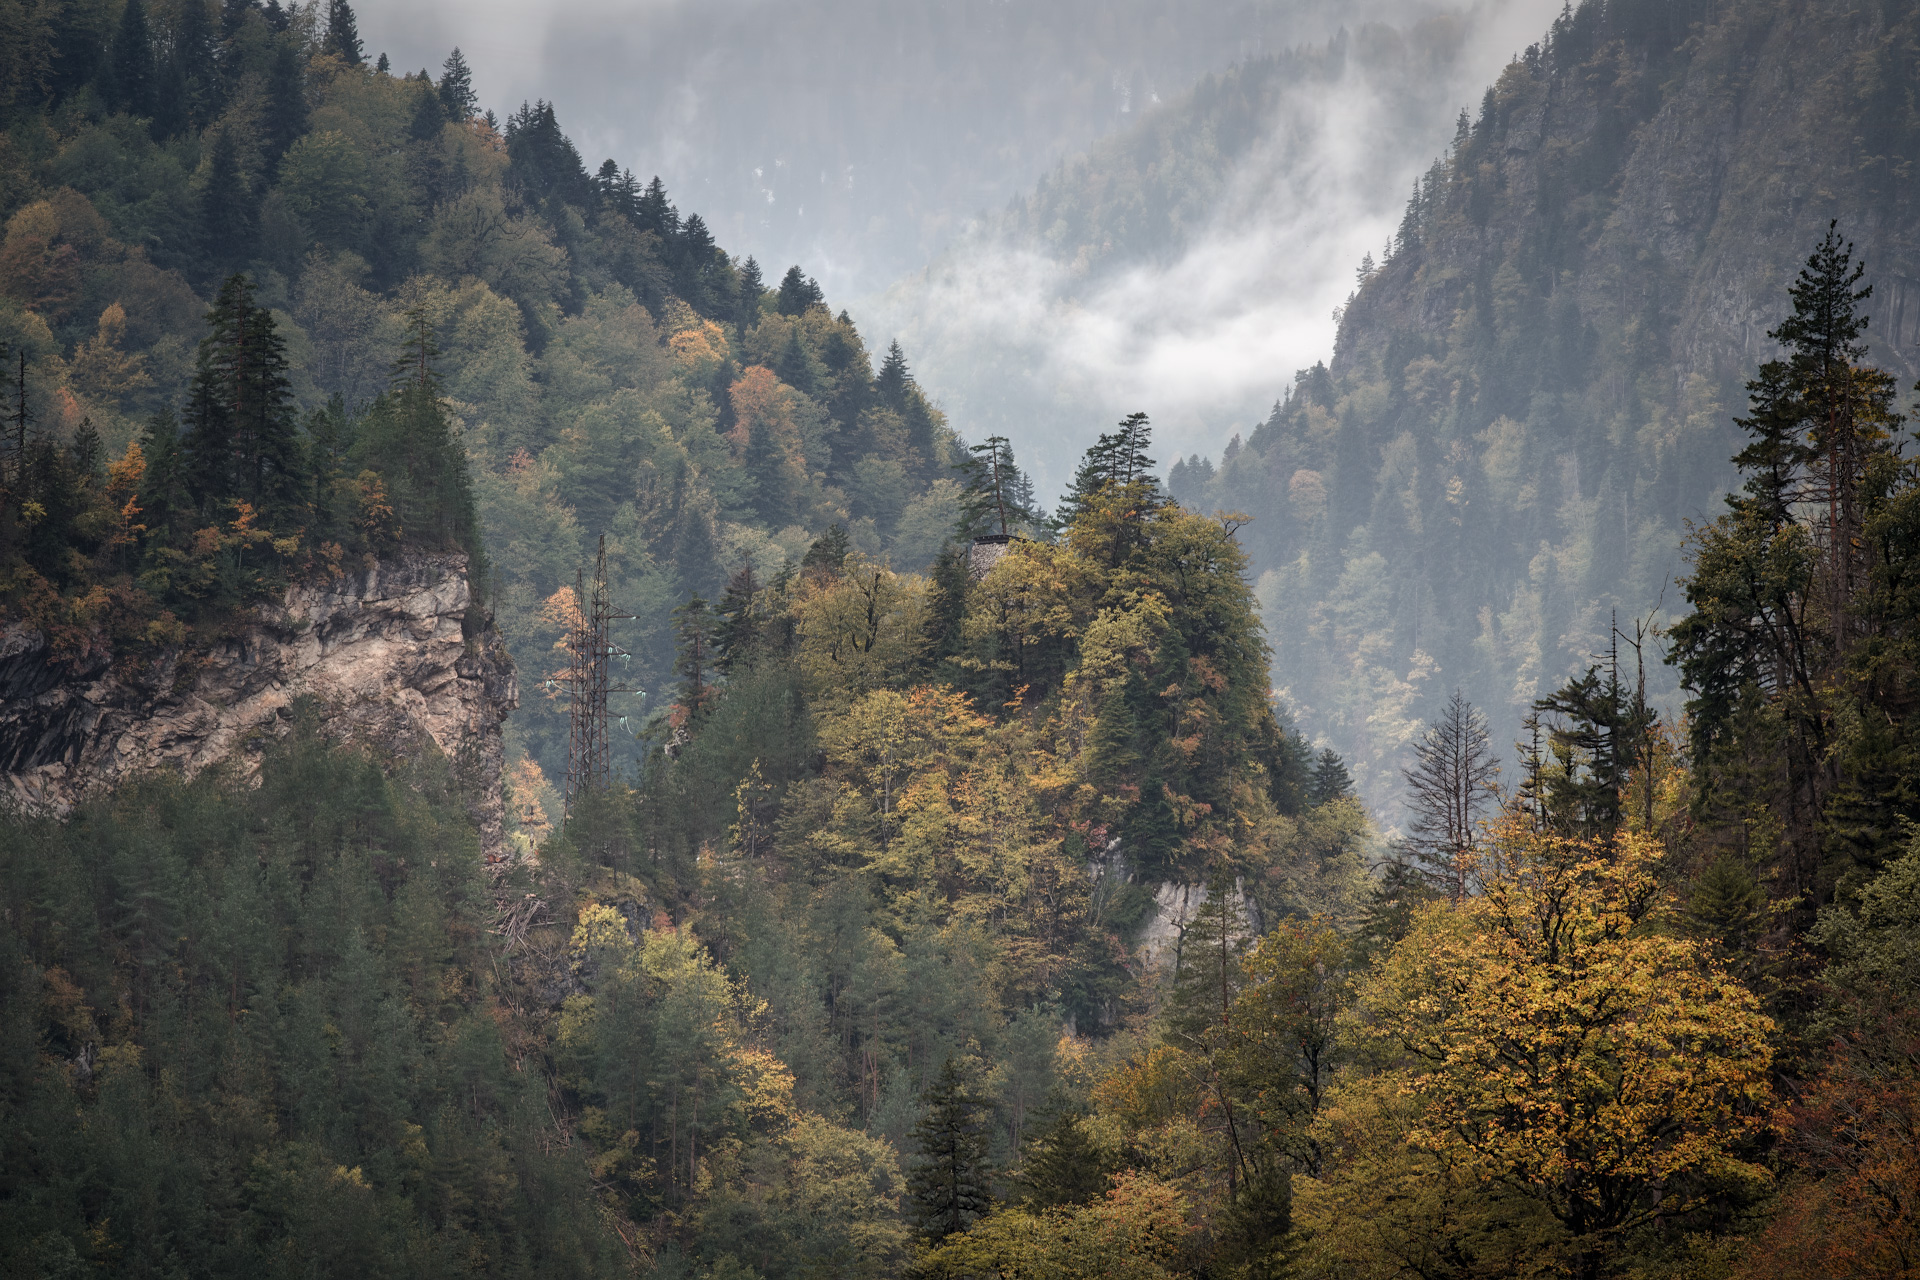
{"x": 860, "y": 137}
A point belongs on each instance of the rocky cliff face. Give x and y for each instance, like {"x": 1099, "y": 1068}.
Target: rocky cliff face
{"x": 383, "y": 649}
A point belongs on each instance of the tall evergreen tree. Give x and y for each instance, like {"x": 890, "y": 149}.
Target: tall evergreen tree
{"x": 894, "y": 379}
{"x": 798, "y": 292}
{"x": 456, "y": 87}
{"x": 1331, "y": 781}
{"x": 656, "y": 212}
{"x": 241, "y": 440}
{"x": 342, "y": 36}
{"x": 286, "y": 113}
{"x": 749, "y": 286}
{"x": 950, "y": 1186}
{"x": 993, "y": 500}
{"x": 129, "y": 67}
{"x": 228, "y": 210}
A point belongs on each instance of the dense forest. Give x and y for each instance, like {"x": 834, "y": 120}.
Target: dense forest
{"x": 607, "y": 367}
{"x": 1534, "y": 382}
{"x": 866, "y": 960}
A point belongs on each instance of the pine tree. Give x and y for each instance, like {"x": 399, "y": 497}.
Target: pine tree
{"x": 693, "y": 629}
{"x": 286, "y": 114}
{"x": 894, "y": 380}
{"x": 797, "y": 293}
{"x": 949, "y": 1186}
{"x": 656, "y": 212}
{"x": 749, "y": 287}
{"x": 995, "y": 499}
{"x": 795, "y": 366}
{"x": 1059, "y": 1163}
{"x": 1331, "y": 781}
{"x": 456, "y": 88}
{"x": 736, "y": 638}
{"x": 241, "y": 440}
{"x": 191, "y": 95}
{"x": 428, "y": 114}
{"x": 1448, "y": 788}
{"x": 342, "y": 38}
{"x": 228, "y": 210}
{"x": 129, "y": 69}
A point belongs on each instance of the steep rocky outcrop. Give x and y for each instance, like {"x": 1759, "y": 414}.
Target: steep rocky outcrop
{"x": 385, "y": 650}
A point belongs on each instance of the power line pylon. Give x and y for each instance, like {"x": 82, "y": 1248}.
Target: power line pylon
{"x": 589, "y": 681}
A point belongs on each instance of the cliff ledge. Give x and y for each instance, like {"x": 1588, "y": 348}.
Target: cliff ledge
{"x": 383, "y": 648}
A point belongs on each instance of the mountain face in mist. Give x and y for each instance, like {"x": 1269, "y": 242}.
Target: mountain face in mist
{"x": 855, "y": 136}
{"x": 1532, "y": 395}
{"x": 1178, "y": 264}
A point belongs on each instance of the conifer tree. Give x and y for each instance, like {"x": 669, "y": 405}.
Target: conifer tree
{"x": 656, "y": 212}
{"x": 193, "y": 72}
{"x": 798, "y": 292}
{"x": 241, "y": 441}
{"x": 749, "y": 286}
{"x": 1449, "y": 787}
{"x": 795, "y": 366}
{"x": 950, "y": 1187}
{"x": 286, "y": 114}
{"x": 894, "y": 379}
{"x": 129, "y": 66}
{"x": 994, "y": 499}
{"x": 342, "y": 36}
{"x": 456, "y": 87}
{"x": 693, "y": 629}
{"x": 228, "y": 210}
{"x": 1331, "y": 781}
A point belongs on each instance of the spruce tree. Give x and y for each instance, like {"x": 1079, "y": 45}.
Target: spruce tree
{"x": 795, "y": 366}
{"x": 797, "y": 293}
{"x": 894, "y": 378}
{"x": 241, "y": 440}
{"x": 748, "y": 288}
{"x": 993, "y": 500}
{"x": 228, "y": 210}
{"x": 694, "y": 661}
{"x": 1331, "y": 781}
{"x": 656, "y": 212}
{"x": 129, "y": 65}
{"x": 286, "y": 114}
{"x": 949, "y": 1186}
{"x": 342, "y": 37}
{"x": 456, "y": 88}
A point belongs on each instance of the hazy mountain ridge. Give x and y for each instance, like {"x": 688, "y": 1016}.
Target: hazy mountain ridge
{"x": 1532, "y": 397}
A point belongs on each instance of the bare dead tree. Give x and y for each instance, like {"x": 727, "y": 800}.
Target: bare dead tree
{"x": 1449, "y": 786}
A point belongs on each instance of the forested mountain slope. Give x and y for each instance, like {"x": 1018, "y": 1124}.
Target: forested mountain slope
{"x": 606, "y": 367}
{"x": 1533, "y": 392}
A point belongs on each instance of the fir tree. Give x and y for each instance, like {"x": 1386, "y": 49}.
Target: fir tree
{"x": 286, "y": 113}
{"x": 693, "y": 629}
{"x": 1331, "y": 781}
{"x": 456, "y": 88}
{"x": 795, "y": 366}
{"x": 656, "y": 212}
{"x": 737, "y": 637}
{"x": 949, "y": 1186}
{"x": 241, "y": 440}
{"x": 1059, "y": 1163}
{"x": 748, "y": 288}
{"x": 129, "y": 69}
{"x": 228, "y": 211}
{"x": 342, "y": 36}
{"x": 894, "y": 379}
{"x": 797, "y": 293}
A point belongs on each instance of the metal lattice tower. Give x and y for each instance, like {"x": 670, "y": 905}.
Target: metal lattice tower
{"x": 589, "y": 682}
